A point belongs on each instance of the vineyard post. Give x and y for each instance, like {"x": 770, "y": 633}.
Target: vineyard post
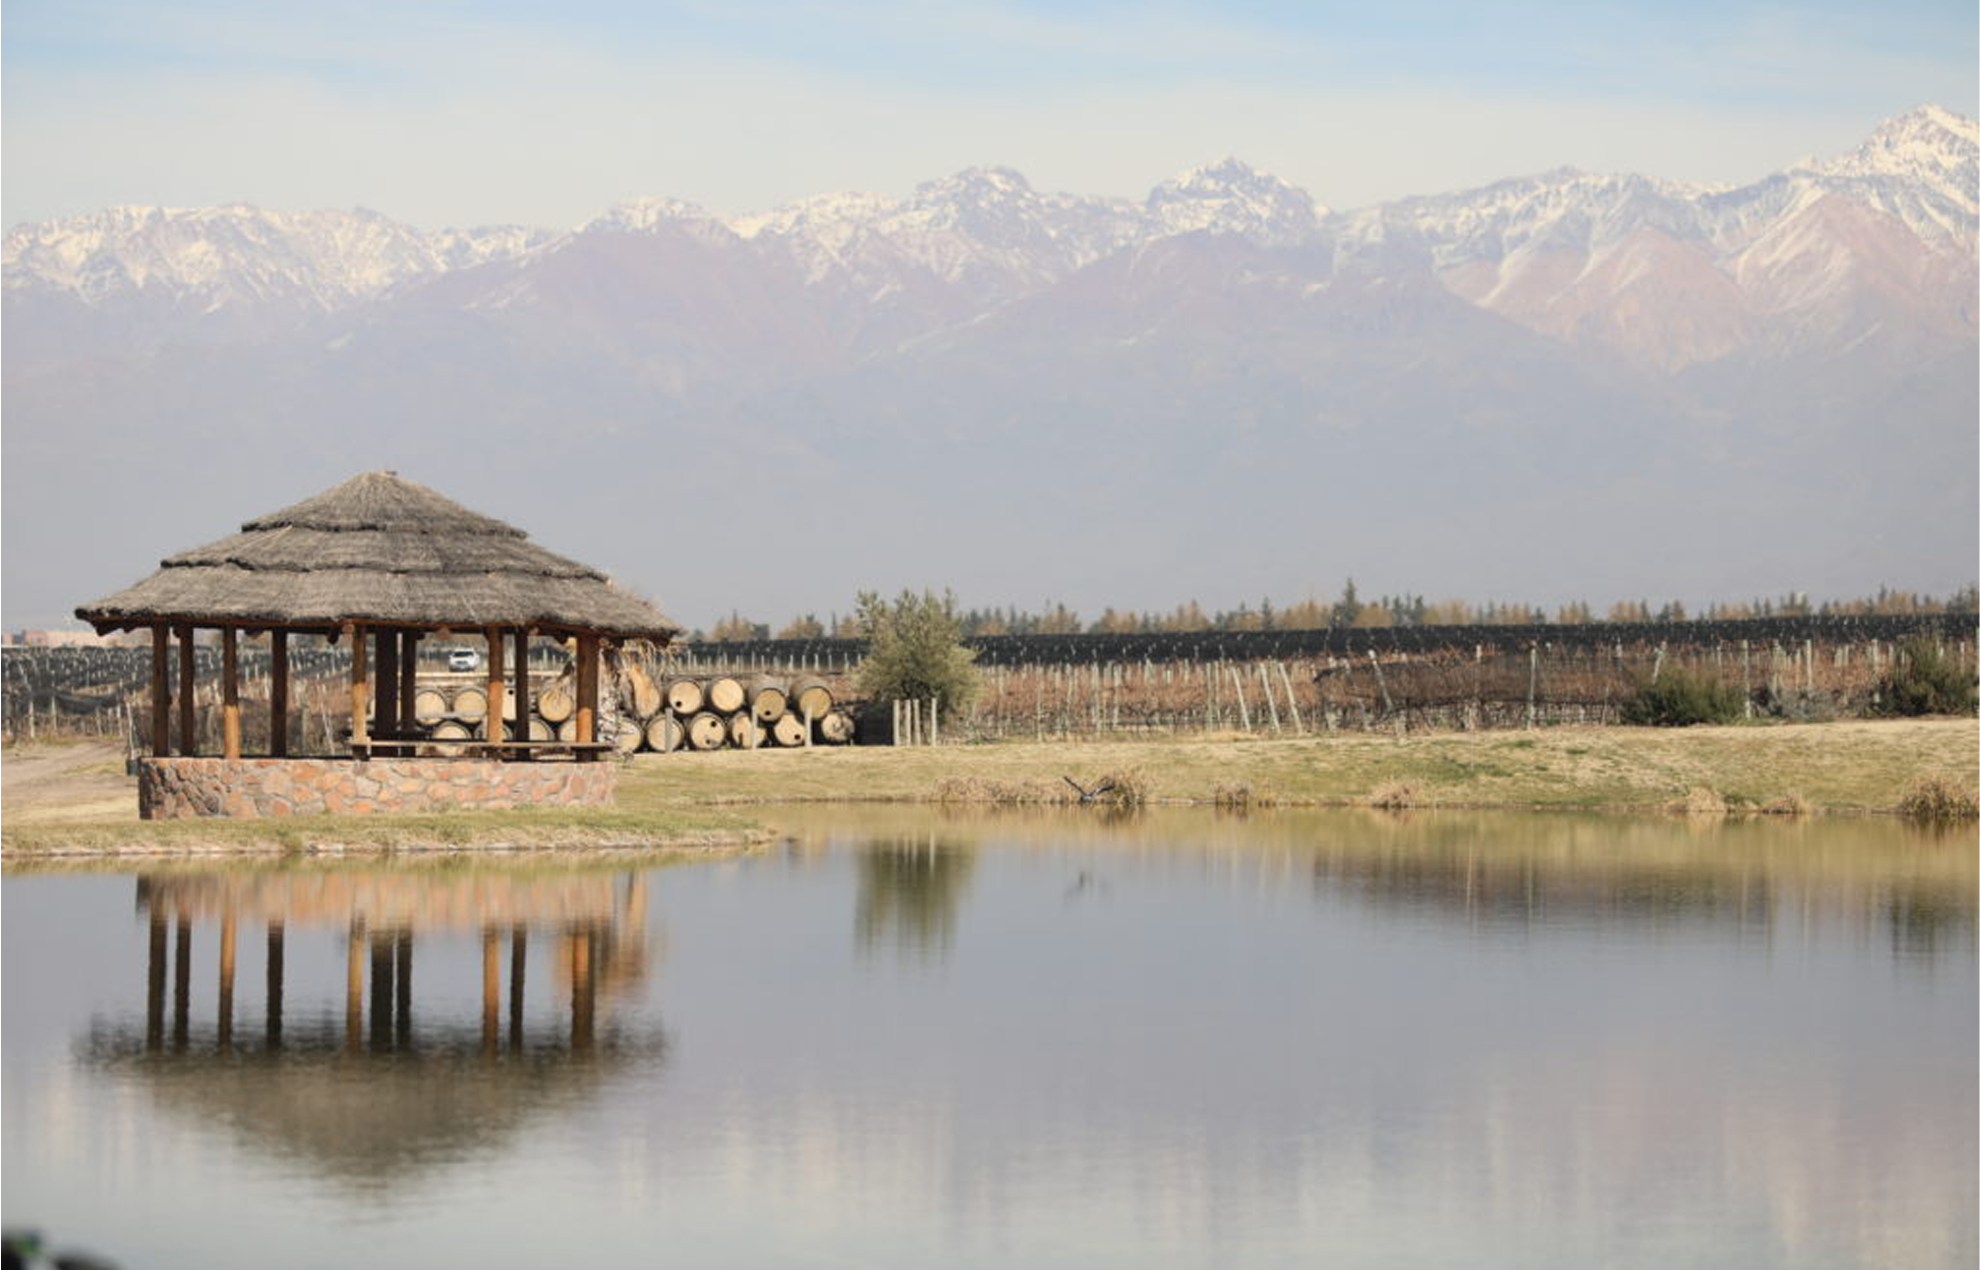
{"x": 1382, "y": 682}
{"x": 1808, "y": 662}
{"x": 1532, "y": 680}
{"x": 895, "y": 731}
{"x": 1746, "y": 675}
{"x": 934, "y": 719}
{"x": 1292, "y": 702}
{"x": 1265, "y": 688}
{"x": 1244, "y": 711}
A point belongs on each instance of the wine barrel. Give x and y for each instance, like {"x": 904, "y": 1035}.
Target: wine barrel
{"x": 788, "y": 730}
{"x": 541, "y": 729}
{"x": 706, "y": 731}
{"x": 664, "y": 734}
{"x": 450, "y": 731}
{"x": 470, "y": 704}
{"x": 725, "y": 695}
{"x": 567, "y": 730}
{"x": 684, "y": 697}
{"x": 744, "y": 732}
{"x": 769, "y": 699}
{"x": 556, "y": 703}
{"x": 429, "y": 705}
{"x": 836, "y": 728}
{"x": 626, "y": 740}
{"x": 810, "y": 696}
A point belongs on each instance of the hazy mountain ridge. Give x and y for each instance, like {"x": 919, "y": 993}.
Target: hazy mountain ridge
{"x": 1682, "y": 373}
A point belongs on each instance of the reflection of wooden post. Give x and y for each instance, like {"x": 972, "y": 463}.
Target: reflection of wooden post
{"x": 497, "y": 691}
{"x": 278, "y": 694}
{"x": 225, "y": 1010}
{"x": 181, "y": 983}
{"x": 381, "y": 990}
{"x": 161, "y": 696}
{"x": 518, "y": 958}
{"x": 273, "y": 1032}
{"x": 491, "y": 989}
{"x": 402, "y": 990}
{"x": 360, "y": 687}
{"x": 230, "y": 694}
{"x": 154, "y": 985}
{"x": 354, "y": 985}
{"x": 188, "y": 714}
{"x": 581, "y": 991}
{"x": 387, "y": 712}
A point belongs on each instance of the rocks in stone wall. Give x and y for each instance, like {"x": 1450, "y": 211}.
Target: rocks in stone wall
{"x": 173, "y": 788}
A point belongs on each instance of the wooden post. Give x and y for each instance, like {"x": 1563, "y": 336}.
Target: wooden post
{"x": 497, "y": 689}
{"x": 154, "y": 984}
{"x": 522, "y": 686}
{"x": 181, "y": 982}
{"x": 188, "y": 699}
{"x": 161, "y": 696}
{"x": 1271, "y": 702}
{"x": 360, "y": 689}
{"x": 408, "y": 676}
{"x": 230, "y": 694}
{"x": 1292, "y": 702}
{"x": 354, "y": 985}
{"x": 518, "y": 964}
{"x": 387, "y": 641}
{"x": 587, "y": 686}
{"x": 278, "y": 693}
{"x": 1244, "y": 711}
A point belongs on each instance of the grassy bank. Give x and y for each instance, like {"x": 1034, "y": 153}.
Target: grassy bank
{"x": 76, "y": 799}
{"x": 1835, "y": 767}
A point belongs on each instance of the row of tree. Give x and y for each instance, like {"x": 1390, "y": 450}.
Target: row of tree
{"x": 1349, "y": 610}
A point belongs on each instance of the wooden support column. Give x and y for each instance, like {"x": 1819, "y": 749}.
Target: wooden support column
{"x": 230, "y": 694}
{"x": 188, "y": 705}
{"x": 408, "y": 676}
{"x": 497, "y": 704}
{"x": 522, "y": 686}
{"x": 278, "y": 693}
{"x": 587, "y": 692}
{"x": 360, "y": 686}
{"x": 387, "y": 713}
{"x": 161, "y": 696}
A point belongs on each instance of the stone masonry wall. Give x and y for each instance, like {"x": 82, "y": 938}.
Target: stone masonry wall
{"x": 171, "y": 788}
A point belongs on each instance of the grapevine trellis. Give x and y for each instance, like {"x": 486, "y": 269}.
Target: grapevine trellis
{"x": 1275, "y": 682}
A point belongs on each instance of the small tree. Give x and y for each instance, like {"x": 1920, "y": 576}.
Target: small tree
{"x": 915, "y": 650}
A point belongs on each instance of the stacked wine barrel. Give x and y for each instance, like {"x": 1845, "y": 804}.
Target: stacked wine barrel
{"x": 686, "y": 714}
{"x": 726, "y": 712}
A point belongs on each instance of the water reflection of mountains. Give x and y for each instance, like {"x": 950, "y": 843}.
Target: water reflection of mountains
{"x": 381, "y": 1088}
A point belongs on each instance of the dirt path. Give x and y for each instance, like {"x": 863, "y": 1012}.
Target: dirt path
{"x": 80, "y": 781}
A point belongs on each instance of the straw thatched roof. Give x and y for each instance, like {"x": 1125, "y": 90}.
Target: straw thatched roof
{"x": 379, "y": 548}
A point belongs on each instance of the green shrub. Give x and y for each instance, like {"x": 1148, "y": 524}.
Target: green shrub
{"x": 915, "y": 651}
{"x": 1678, "y": 699}
{"x": 1922, "y": 680}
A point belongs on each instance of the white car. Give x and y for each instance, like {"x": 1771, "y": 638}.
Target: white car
{"x": 463, "y": 659}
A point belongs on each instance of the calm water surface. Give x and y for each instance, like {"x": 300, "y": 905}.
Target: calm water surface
{"x": 910, "y": 1039}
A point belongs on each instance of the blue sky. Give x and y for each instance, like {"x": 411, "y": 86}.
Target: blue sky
{"x": 453, "y": 113}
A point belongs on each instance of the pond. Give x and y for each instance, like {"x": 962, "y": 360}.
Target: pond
{"x": 908, "y": 1038}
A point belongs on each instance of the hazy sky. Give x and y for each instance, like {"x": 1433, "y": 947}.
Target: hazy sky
{"x": 444, "y": 112}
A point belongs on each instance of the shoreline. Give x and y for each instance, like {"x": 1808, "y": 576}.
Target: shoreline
{"x": 61, "y": 800}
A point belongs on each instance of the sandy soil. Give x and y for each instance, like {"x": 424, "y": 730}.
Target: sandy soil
{"x": 84, "y": 780}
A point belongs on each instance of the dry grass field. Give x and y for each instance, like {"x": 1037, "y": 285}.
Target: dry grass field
{"x": 76, "y": 797}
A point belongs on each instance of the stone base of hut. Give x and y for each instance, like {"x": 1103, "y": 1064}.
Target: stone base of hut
{"x": 175, "y": 788}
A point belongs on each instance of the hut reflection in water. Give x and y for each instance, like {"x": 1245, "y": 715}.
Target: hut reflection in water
{"x": 378, "y": 1085}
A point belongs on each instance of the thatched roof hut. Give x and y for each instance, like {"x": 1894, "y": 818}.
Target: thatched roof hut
{"x": 380, "y": 549}
{"x": 376, "y": 559}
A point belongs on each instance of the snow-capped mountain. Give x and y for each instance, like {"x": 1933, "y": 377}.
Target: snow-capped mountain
{"x": 1231, "y": 197}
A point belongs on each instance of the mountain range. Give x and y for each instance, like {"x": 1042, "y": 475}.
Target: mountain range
{"x": 1560, "y": 384}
